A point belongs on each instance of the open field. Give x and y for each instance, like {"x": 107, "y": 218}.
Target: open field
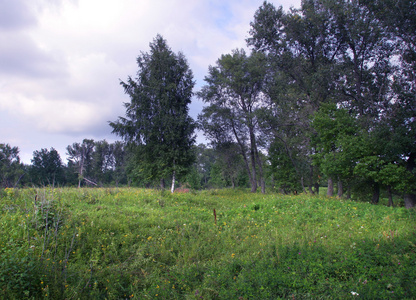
{"x": 146, "y": 244}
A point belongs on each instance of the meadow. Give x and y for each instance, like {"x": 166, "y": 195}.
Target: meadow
{"x": 129, "y": 243}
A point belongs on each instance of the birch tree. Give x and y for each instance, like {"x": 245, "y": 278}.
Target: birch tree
{"x": 157, "y": 123}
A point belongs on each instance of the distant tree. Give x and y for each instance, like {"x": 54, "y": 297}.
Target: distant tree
{"x": 157, "y": 121}
{"x": 120, "y": 160}
{"x": 11, "y": 170}
{"x": 102, "y": 163}
{"x": 80, "y": 157}
{"x": 47, "y": 167}
{"x": 205, "y": 158}
{"x": 230, "y": 165}
{"x": 284, "y": 165}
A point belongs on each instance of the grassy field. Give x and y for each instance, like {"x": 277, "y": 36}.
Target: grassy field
{"x": 146, "y": 244}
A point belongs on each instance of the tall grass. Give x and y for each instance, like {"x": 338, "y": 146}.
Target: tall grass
{"x": 146, "y": 244}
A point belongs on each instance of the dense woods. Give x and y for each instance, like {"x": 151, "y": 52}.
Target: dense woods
{"x": 326, "y": 96}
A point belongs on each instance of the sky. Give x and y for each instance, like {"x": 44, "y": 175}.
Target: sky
{"x": 61, "y": 61}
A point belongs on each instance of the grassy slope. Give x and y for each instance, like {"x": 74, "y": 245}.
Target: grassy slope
{"x": 143, "y": 244}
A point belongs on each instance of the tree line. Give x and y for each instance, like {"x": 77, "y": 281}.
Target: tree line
{"x": 90, "y": 163}
{"x": 327, "y": 93}
{"x": 100, "y": 163}
{"x": 325, "y": 97}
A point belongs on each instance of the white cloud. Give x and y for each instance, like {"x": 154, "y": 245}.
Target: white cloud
{"x": 61, "y": 61}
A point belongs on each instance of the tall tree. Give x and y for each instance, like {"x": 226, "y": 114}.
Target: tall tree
{"x": 234, "y": 94}
{"x": 398, "y": 17}
{"x": 302, "y": 49}
{"x": 157, "y": 120}
{"x": 325, "y": 52}
{"x": 47, "y": 167}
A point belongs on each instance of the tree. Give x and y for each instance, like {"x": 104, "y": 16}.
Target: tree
{"x": 102, "y": 162}
{"x": 80, "y": 157}
{"x": 302, "y": 51}
{"x": 47, "y": 167}
{"x": 120, "y": 159}
{"x": 234, "y": 94}
{"x": 11, "y": 170}
{"x": 285, "y": 176}
{"x": 398, "y": 17}
{"x": 157, "y": 121}
{"x": 230, "y": 165}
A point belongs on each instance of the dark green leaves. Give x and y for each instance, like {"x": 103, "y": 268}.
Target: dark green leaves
{"x": 157, "y": 121}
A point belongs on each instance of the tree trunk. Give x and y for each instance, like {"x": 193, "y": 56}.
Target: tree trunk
{"x": 390, "y": 195}
{"x": 243, "y": 153}
{"x": 310, "y": 185}
{"x": 259, "y": 162}
{"x": 253, "y": 168}
{"x": 81, "y": 171}
{"x": 409, "y": 200}
{"x": 261, "y": 175}
{"x": 172, "y": 189}
{"x": 162, "y": 184}
{"x": 330, "y": 191}
{"x": 376, "y": 193}
{"x": 316, "y": 188}
{"x": 303, "y": 186}
{"x": 340, "y": 189}
{"x": 349, "y": 191}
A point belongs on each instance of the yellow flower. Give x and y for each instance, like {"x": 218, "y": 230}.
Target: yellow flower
{"x": 232, "y": 255}
{"x": 149, "y": 238}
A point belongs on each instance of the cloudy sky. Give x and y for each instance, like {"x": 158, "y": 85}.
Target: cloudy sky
{"x": 61, "y": 60}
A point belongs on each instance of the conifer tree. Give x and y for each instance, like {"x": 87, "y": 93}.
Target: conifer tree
{"x": 157, "y": 123}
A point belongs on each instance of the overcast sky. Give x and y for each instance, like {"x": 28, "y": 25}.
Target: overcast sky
{"x": 61, "y": 61}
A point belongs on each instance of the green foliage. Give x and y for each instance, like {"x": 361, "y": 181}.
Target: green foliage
{"x": 47, "y": 168}
{"x": 282, "y": 168}
{"x": 389, "y": 174}
{"x": 157, "y": 124}
{"x": 19, "y": 272}
{"x": 11, "y": 170}
{"x": 194, "y": 179}
{"x": 139, "y": 243}
{"x": 234, "y": 95}
{"x": 336, "y": 141}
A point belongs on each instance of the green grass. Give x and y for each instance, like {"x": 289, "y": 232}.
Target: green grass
{"x": 145, "y": 244}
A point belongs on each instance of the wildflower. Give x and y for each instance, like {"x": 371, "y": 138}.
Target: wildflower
{"x": 149, "y": 238}
{"x": 232, "y": 255}
{"x": 354, "y": 294}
